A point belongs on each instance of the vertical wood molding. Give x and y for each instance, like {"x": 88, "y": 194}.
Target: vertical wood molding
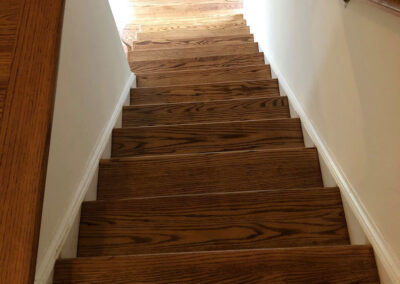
{"x": 27, "y": 89}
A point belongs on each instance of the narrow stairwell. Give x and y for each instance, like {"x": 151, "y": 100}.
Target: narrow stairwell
{"x": 210, "y": 180}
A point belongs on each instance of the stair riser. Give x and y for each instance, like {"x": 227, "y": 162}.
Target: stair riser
{"x": 229, "y": 61}
{"x": 216, "y": 111}
{"x": 205, "y": 93}
{"x": 204, "y": 76}
{"x": 190, "y": 53}
{"x": 191, "y": 43}
{"x": 206, "y": 138}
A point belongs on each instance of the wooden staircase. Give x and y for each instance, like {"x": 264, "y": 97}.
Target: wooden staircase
{"x": 210, "y": 181}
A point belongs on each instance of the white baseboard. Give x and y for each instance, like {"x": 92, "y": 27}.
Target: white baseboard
{"x": 45, "y": 268}
{"x": 389, "y": 262}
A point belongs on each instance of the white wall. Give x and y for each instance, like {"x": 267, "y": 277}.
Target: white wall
{"x": 342, "y": 68}
{"x": 93, "y": 83}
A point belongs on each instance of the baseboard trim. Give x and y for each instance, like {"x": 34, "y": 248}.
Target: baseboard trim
{"x": 389, "y": 261}
{"x": 44, "y": 270}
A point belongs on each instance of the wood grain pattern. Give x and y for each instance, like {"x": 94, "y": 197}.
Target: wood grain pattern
{"x": 191, "y": 42}
{"x": 201, "y": 25}
{"x": 9, "y": 17}
{"x": 311, "y": 265}
{"x": 29, "y": 37}
{"x": 212, "y": 31}
{"x": 260, "y": 72}
{"x": 205, "y": 173}
{"x": 189, "y": 20}
{"x": 190, "y": 53}
{"x": 205, "y": 92}
{"x": 201, "y": 112}
{"x": 211, "y": 222}
{"x": 209, "y": 137}
{"x": 186, "y": 64}
{"x": 140, "y": 14}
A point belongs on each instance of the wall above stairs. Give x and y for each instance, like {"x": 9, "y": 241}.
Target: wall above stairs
{"x": 342, "y": 66}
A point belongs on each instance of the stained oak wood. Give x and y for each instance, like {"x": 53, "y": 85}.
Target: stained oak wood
{"x": 186, "y": 64}
{"x": 140, "y": 14}
{"x": 229, "y": 221}
{"x": 190, "y": 53}
{"x": 209, "y": 137}
{"x": 189, "y": 20}
{"x": 212, "y": 31}
{"x": 191, "y": 42}
{"x": 182, "y": 26}
{"x": 29, "y": 47}
{"x": 205, "y": 92}
{"x": 257, "y": 72}
{"x": 206, "y": 173}
{"x": 200, "y": 112}
{"x": 311, "y": 265}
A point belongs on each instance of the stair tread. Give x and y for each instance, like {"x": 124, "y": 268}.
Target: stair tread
{"x": 335, "y": 265}
{"x": 148, "y": 45}
{"x": 193, "y": 52}
{"x": 179, "y": 26}
{"x": 208, "y": 111}
{"x": 205, "y": 92}
{"x": 207, "y": 137}
{"x": 211, "y": 172}
{"x": 212, "y": 31}
{"x": 217, "y": 75}
{"x": 245, "y": 220}
{"x": 187, "y": 64}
